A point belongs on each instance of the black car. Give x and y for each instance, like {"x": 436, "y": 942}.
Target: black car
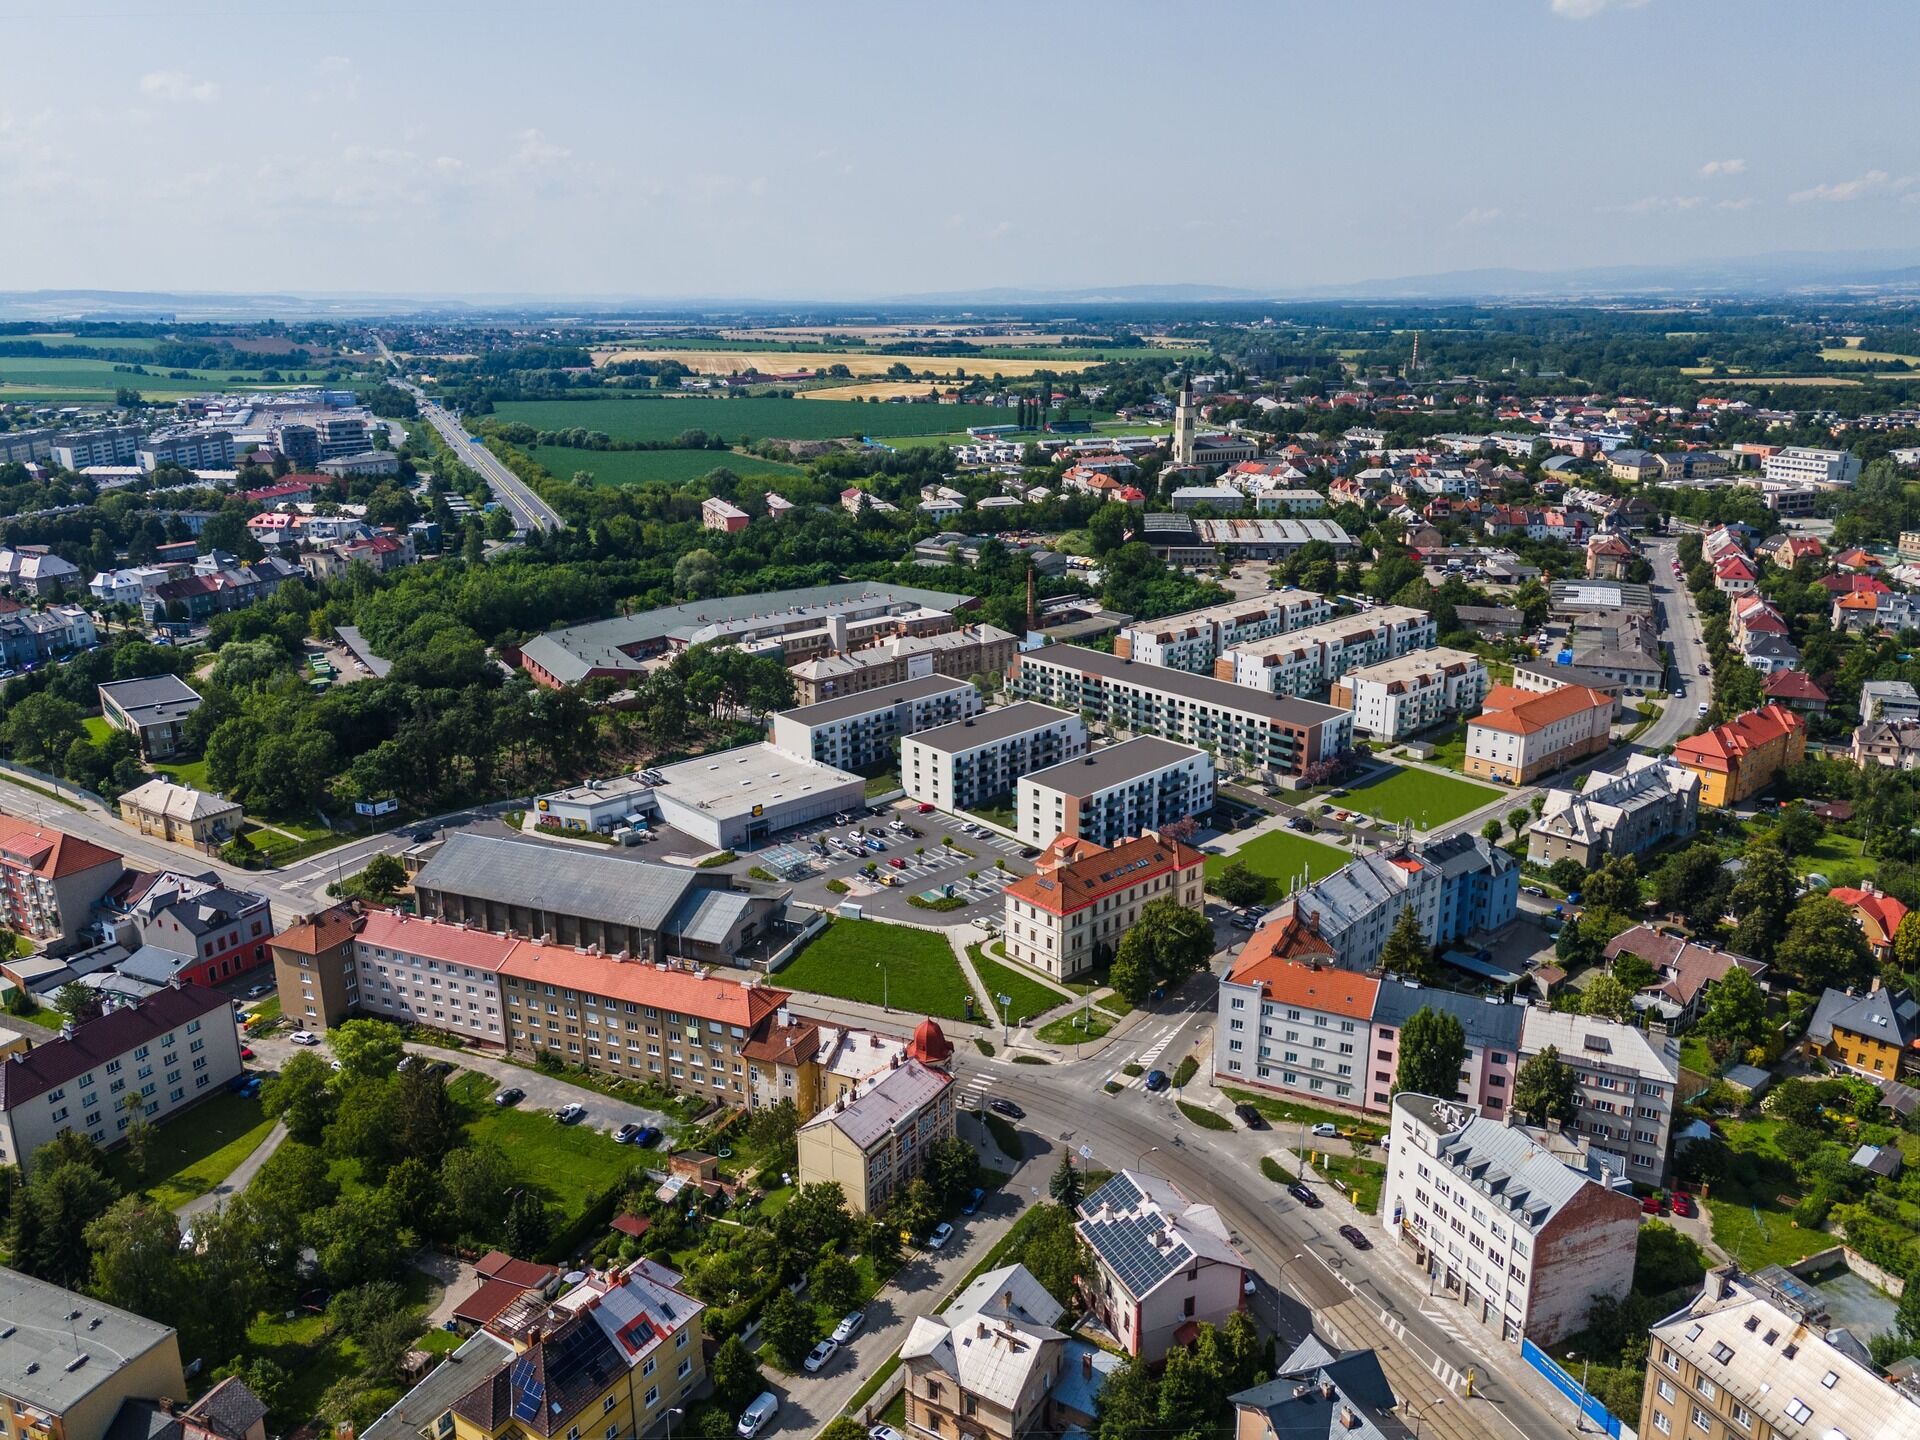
{"x": 1250, "y": 1117}
{"x": 1006, "y": 1108}
{"x": 1351, "y": 1234}
{"x": 1305, "y": 1196}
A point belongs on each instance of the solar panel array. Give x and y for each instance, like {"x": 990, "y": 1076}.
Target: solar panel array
{"x": 1129, "y": 1249}
{"x": 529, "y": 1391}
{"x": 1119, "y": 1192}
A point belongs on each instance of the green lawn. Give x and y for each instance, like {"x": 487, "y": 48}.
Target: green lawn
{"x": 569, "y": 1165}
{"x": 1841, "y": 858}
{"x": 1766, "y": 1238}
{"x": 1361, "y": 1179}
{"x": 1288, "y": 1113}
{"x": 1000, "y": 812}
{"x": 1069, "y": 1029}
{"x": 186, "y": 772}
{"x": 656, "y": 467}
{"x": 76, "y": 379}
{"x": 314, "y": 1358}
{"x": 98, "y": 730}
{"x": 194, "y": 1152}
{"x": 1449, "y": 746}
{"x": 845, "y": 961}
{"x": 1029, "y": 996}
{"x": 743, "y": 417}
{"x": 1280, "y": 855}
{"x": 1420, "y": 796}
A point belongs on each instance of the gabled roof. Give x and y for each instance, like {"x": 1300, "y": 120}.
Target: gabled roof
{"x": 1721, "y": 747}
{"x": 52, "y": 854}
{"x": 1287, "y": 981}
{"x": 1886, "y": 911}
{"x": 1081, "y": 883}
{"x": 993, "y": 1337}
{"x": 1889, "y": 1016}
{"x": 1144, "y": 1231}
{"x": 1523, "y": 712}
{"x": 107, "y": 1037}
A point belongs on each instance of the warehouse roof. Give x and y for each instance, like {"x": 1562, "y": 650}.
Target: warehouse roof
{"x": 567, "y": 881}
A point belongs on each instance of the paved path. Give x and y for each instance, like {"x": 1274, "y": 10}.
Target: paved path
{"x": 241, "y": 1177}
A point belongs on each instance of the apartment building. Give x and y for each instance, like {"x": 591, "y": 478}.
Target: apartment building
{"x": 813, "y": 1063}
{"x": 1289, "y": 1023}
{"x": 423, "y": 972}
{"x": 1069, "y": 915}
{"x": 1757, "y": 1359}
{"x": 1307, "y": 661}
{"x": 976, "y": 760}
{"x": 1520, "y": 735}
{"x": 1628, "y": 1079}
{"x": 154, "y": 709}
{"x": 1803, "y": 465}
{"x": 68, "y": 1362}
{"x": 190, "y": 449}
{"x": 1162, "y": 1265}
{"x": 722, "y": 515}
{"x": 852, "y": 731}
{"x": 873, "y": 1141}
{"x": 155, "y": 1057}
{"x": 1744, "y": 755}
{"x": 51, "y": 882}
{"x": 1281, "y": 736}
{"x": 1493, "y": 1033}
{"x": 106, "y": 445}
{"x": 959, "y": 654}
{"x": 339, "y": 436}
{"x": 1194, "y": 639}
{"x": 1646, "y": 802}
{"x": 25, "y": 446}
{"x": 1397, "y": 698}
{"x": 1520, "y": 1230}
{"x": 215, "y": 930}
{"x": 1140, "y": 785}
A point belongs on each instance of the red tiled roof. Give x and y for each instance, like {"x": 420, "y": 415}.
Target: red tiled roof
{"x": 682, "y": 991}
{"x": 1717, "y": 748}
{"x": 1314, "y": 987}
{"x": 1521, "y": 712}
{"x": 489, "y": 1298}
{"x": 319, "y": 933}
{"x": 527, "y": 1274}
{"x": 97, "y": 1041}
{"x": 1887, "y": 910}
{"x": 51, "y": 853}
{"x": 436, "y": 940}
{"x": 1792, "y": 685}
{"x": 1076, "y": 885}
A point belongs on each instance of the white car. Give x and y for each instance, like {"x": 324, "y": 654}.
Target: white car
{"x": 1324, "y": 1130}
{"x": 304, "y": 1037}
{"x": 849, "y": 1326}
{"x": 884, "y": 1432}
{"x": 820, "y": 1355}
{"x": 1703, "y": 707}
{"x": 941, "y": 1233}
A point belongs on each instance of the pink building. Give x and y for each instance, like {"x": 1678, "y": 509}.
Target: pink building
{"x": 718, "y": 514}
{"x": 1493, "y": 1043}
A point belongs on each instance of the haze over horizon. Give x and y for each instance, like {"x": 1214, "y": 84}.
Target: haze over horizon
{"x": 850, "y": 152}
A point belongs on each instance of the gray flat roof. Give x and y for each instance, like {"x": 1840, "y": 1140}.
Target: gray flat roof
{"x": 153, "y": 699}
{"x": 883, "y": 697}
{"x": 730, "y": 783}
{"x": 1223, "y": 694}
{"x": 1115, "y": 765}
{"x": 992, "y": 725}
{"x": 40, "y": 1334}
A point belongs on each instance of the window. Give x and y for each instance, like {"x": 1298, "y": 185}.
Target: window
{"x": 1829, "y": 1380}
{"x": 1722, "y": 1352}
{"x": 1799, "y": 1411}
{"x": 606, "y": 1405}
{"x": 1665, "y": 1390}
{"x": 686, "y": 1365}
{"x": 1742, "y": 1416}
{"x": 1662, "y": 1423}
{"x": 1702, "y": 1420}
{"x": 653, "y": 1396}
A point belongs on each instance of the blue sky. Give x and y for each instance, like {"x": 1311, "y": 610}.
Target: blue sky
{"x": 827, "y": 149}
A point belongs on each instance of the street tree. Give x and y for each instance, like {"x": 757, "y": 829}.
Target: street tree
{"x": 367, "y": 1049}
{"x": 1433, "y": 1047}
{"x": 302, "y": 1096}
{"x": 1615, "y": 885}
{"x": 834, "y": 1282}
{"x": 1238, "y": 885}
{"x": 1547, "y": 1089}
{"x": 735, "y": 1374}
{"x": 1406, "y": 951}
{"x": 1168, "y": 943}
{"x": 1066, "y": 1184}
{"x": 787, "y": 1323}
{"x": 952, "y": 1169}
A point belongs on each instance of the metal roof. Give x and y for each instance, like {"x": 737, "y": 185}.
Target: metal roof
{"x": 534, "y": 876}
{"x": 881, "y": 697}
{"x": 58, "y": 1347}
{"x": 1113, "y": 765}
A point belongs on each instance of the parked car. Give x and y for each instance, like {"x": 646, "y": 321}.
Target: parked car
{"x": 304, "y": 1037}
{"x": 923, "y": 809}
{"x": 1305, "y": 1196}
{"x": 849, "y": 1326}
{"x": 757, "y": 1416}
{"x": 1702, "y": 707}
{"x": 842, "y": 818}
{"x": 1243, "y": 922}
{"x": 1250, "y": 1117}
{"x": 1325, "y": 1130}
{"x": 820, "y": 1355}
{"x": 1156, "y": 1080}
{"x": 1006, "y": 1108}
{"x": 974, "y": 1201}
{"x": 246, "y": 1052}
{"x": 258, "y": 990}
{"x": 939, "y": 1235}
{"x": 1299, "y": 822}
{"x": 1353, "y": 1236}
{"x": 626, "y": 1133}
{"x": 1533, "y": 890}
{"x": 1706, "y": 670}
{"x": 1650, "y": 1205}
{"x": 1683, "y": 1204}
{"x": 884, "y": 1432}
{"x": 897, "y": 863}
{"x": 647, "y": 1136}
{"x": 571, "y": 1113}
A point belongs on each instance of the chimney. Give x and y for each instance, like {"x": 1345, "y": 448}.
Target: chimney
{"x": 1348, "y": 1419}
{"x": 1327, "y": 1392}
{"x": 1086, "y": 1364}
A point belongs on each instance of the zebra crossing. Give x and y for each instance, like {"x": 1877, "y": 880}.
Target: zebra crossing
{"x": 973, "y": 1094}
{"x": 1145, "y": 1059}
{"x": 1446, "y": 1374}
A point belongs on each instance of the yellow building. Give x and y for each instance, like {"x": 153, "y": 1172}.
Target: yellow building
{"x": 875, "y": 1139}
{"x": 1745, "y": 755}
{"x": 180, "y": 814}
{"x": 64, "y": 1378}
{"x": 815, "y": 1064}
{"x": 1876, "y": 1034}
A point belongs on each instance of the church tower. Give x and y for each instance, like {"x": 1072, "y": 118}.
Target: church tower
{"x": 1183, "y": 423}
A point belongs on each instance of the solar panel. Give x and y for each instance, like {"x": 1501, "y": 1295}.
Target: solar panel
{"x": 529, "y": 1392}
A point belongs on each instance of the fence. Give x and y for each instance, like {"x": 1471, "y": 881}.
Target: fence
{"x": 1592, "y": 1409}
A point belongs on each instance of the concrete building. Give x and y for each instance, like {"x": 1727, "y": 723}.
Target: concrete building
{"x": 424, "y": 972}
{"x": 24, "y": 447}
{"x": 874, "y": 1140}
{"x": 1758, "y": 1359}
{"x": 35, "y": 570}
{"x": 65, "y": 1378}
{"x": 1803, "y": 465}
{"x": 1889, "y": 700}
{"x": 1068, "y": 917}
{"x": 597, "y": 807}
{"x": 975, "y": 761}
{"x": 1162, "y": 1266}
{"x": 1493, "y": 1034}
{"x": 1194, "y": 639}
{"x": 1520, "y": 736}
{"x": 180, "y": 814}
{"x": 315, "y": 972}
{"x": 852, "y": 731}
{"x": 1648, "y": 801}
{"x": 722, "y": 515}
{"x": 736, "y": 799}
{"x": 1283, "y": 737}
{"x": 1140, "y": 785}
{"x": 155, "y": 1058}
{"x": 1743, "y": 756}
{"x": 106, "y": 445}
{"x": 959, "y": 654}
{"x": 52, "y": 883}
{"x": 1271, "y": 539}
{"x": 1397, "y": 698}
{"x": 189, "y": 449}
{"x": 153, "y": 709}
{"x": 1294, "y": 1026}
{"x": 814, "y": 1063}
{"x": 1305, "y": 662}
{"x": 1522, "y": 1232}
{"x": 1628, "y": 1083}
{"x": 212, "y": 931}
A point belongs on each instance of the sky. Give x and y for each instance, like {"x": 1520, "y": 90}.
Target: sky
{"x": 833, "y": 150}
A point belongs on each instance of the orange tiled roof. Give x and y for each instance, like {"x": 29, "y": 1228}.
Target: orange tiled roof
{"x": 682, "y": 991}
{"x": 1718, "y": 748}
{"x": 1288, "y": 982}
{"x": 1078, "y": 884}
{"x": 49, "y": 852}
{"x": 1521, "y": 712}
{"x": 1887, "y": 910}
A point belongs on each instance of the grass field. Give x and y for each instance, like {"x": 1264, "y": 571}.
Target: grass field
{"x": 186, "y": 772}
{"x": 921, "y": 974}
{"x": 1421, "y": 796}
{"x": 785, "y": 362}
{"x": 569, "y": 1165}
{"x": 312, "y": 1355}
{"x": 98, "y": 730}
{"x": 1848, "y": 355}
{"x": 98, "y": 342}
{"x": 1841, "y": 858}
{"x": 745, "y": 418}
{"x": 1279, "y": 855}
{"x": 658, "y": 467}
{"x": 1069, "y": 1029}
{"x": 202, "y": 1147}
{"x": 1288, "y": 1113}
{"x": 1361, "y": 1179}
{"x": 50, "y": 377}
{"x": 1029, "y": 996}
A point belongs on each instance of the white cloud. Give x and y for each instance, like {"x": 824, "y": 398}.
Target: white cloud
{"x": 1587, "y": 9}
{"x": 1874, "y": 182}
{"x": 1477, "y": 216}
{"x": 1745, "y": 202}
{"x": 1656, "y": 205}
{"x": 536, "y": 149}
{"x": 1715, "y": 168}
{"x": 177, "y": 86}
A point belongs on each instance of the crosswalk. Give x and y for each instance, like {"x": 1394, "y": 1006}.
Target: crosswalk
{"x": 1145, "y": 1059}
{"x": 973, "y": 1094}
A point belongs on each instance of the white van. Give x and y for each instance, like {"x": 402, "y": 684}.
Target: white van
{"x": 757, "y": 1416}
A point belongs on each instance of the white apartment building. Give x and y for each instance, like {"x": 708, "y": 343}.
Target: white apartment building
{"x": 1272, "y": 1000}
{"x": 154, "y": 1058}
{"x": 972, "y": 761}
{"x": 1307, "y": 661}
{"x": 340, "y": 435}
{"x": 1396, "y": 698}
{"x": 1522, "y": 1238}
{"x": 1193, "y": 640}
{"x": 193, "y": 449}
{"x": 860, "y": 729}
{"x": 129, "y": 586}
{"x": 1628, "y": 1079}
{"x": 1519, "y": 736}
{"x": 1069, "y": 915}
{"x": 426, "y": 972}
{"x": 1288, "y": 502}
{"x": 1108, "y": 795}
{"x": 25, "y": 446}
{"x": 1803, "y": 465}
{"x": 108, "y": 445}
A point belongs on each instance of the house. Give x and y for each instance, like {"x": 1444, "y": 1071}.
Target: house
{"x": 153, "y": 709}
{"x": 873, "y": 1140}
{"x": 1684, "y": 969}
{"x": 1519, "y": 735}
{"x": 210, "y": 932}
{"x": 814, "y": 1064}
{"x": 1788, "y": 549}
{"x": 1797, "y": 691}
{"x": 52, "y": 883}
{"x": 1878, "y": 914}
{"x": 1609, "y": 557}
{"x": 1889, "y": 700}
{"x": 1735, "y": 575}
{"x": 1892, "y": 743}
{"x": 1071, "y": 913}
{"x": 36, "y": 570}
{"x": 1744, "y": 755}
{"x": 180, "y": 814}
{"x": 73, "y": 1362}
{"x": 228, "y": 1411}
{"x": 1318, "y": 1393}
{"x": 1650, "y": 800}
{"x": 1876, "y": 1034}
{"x": 1161, "y": 1265}
{"x": 722, "y": 515}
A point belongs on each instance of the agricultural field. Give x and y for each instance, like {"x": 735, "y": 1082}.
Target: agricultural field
{"x": 745, "y": 418}
{"x": 50, "y": 378}
{"x": 1420, "y": 796}
{"x": 641, "y": 467}
{"x": 782, "y": 361}
{"x": 103, "y": 342}
{"x": 1279, "y": 856}
{"x": 921, "y": 974}
{"x": 871, "y": 390}
{"x": 1851, "y": 354}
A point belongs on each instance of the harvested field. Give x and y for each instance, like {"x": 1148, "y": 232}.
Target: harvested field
{"x": 786, "y": 362}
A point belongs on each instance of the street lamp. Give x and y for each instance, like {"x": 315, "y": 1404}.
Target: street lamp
{"x": 1140, "y": 1160}
{"x": 1580, "y": 1410}
{"x": 1421, "y": 1410}
{"x": 671, "y": 1412}
{"x": 1006, "y": 1019}
{"x": 881, "y": 966}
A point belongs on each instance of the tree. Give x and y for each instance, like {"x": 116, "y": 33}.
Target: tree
{"x": 834, "y": 1282}
{"x": 880, "y": 1243}
{"x": 383, "y": 877}
{"x": 1574, "y": 948}
{"x": 1491, "y": 831}
{"x": 40, "y": 728}
{"x": 360, "y": 1238}
{"x": 1066, "y": 1186}
{"x": 1238, "y": 885}
{"x": 1607, "y": 998}
{"x": 773, "y": 1126}
{"x": 735, "y": 1374}
{"x": 843, "y": 1427}
{"x": 1167, "y": 944}
{"x": 367, "y": 1049}
{"x": 1547, "y": 1089}
{"x": 138, "y": 1263}
{"x": 475, "y": 1182}
{"x": 1906, "y": 943}
{"x": 427, "y": 1123}
{"x": 696, "y": 574}
{"x": 528, "y": 1225}
{"x": 1406, "y": 951}
{"x": 1518, "y": 819}
{"x": 1615, "y": 885}
{"x": 1433, "y": 1047}
{"x": 1763, "y": 898}
{"x": 77, "y": 1002}
{"x": 1128, "y": 1407}
{"x": 1734, "y": 1010}
{"x": 913, "y": 1207}
{"x": 816, "y": 1220}
{"x": 787, "y": 1323}
{"x": 1568, "y": 874}
{"x": 302, "y": 1096}
{"x": 952, "y": 1169}
{"x": 1055, "y": 1254}
{"x": 1823, "y": 947}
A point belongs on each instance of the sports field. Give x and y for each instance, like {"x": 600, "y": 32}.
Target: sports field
{"x": 661, "y": 467}
{"x": 1281, "y": 856}
{"x": 920, "y": 973}
{"x": 744, "y": 418}
{"x": 1420, "y": 796}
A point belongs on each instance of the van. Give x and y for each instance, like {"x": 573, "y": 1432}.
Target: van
{"x": 757, "y": 1416}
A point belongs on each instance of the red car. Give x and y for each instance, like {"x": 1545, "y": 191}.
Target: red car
{"x": 1651, "y": 1206}
{"x": 897, "y": 863}
{"x": 1683, "y": 1204}
{"x": 926, "y": 809}
{"x": 246, "y": 1052}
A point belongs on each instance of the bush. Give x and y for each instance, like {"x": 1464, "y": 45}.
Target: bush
{"x": 1186, "y": 1070}
{"x": 1205, "y": 1119}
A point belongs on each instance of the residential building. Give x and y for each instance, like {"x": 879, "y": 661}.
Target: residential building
{"x": 1069, "y": 915}
{"x": 365, "y": 463}
{"x": 153, "y": 709}
{"x": 739, "y": 798}
{"x": 315, "y": 973}
{"x": 1889, "y": 700}
{"x": 1755, "y": 1359}
{"x": 424, "y": 972}
{"x": 1493, "y": 1032}
{"x": 722, "y": 515}
{"x": 1744, "y": 755}
{"x": 65, "y": 1377}
{"x": 155, "y": 1057}
{"x": 1307, "y": 661}
{"x": 211, "y": 931}
{"x": 35, "y": 570}
{"x": 1802, "y": 465}
{"x": 1609, "y": 557}
{"x": 1684, "y": 970}
{"x": 1628, "y": 1081}
{"x": 1877, "y": 913}
{"x": 874, "y": 1139}
{"x": 1162, "y": 1266}
{"x": 180, "y": 814}
{"x": 1397, "y": 698}
{"x": 52, "y": 883}
{"x": 1520, "y": 735}
{"x": 1892, "y": 743}
{"x": 813, "y": 1063}
{"x": 188, "y": 449}
{"x": 1490, "y": 620}
{"x": 1797, "y": 691}
{"x": 975, "y": 761}
{"x": 1282, "y": 736}
{"x": 1289, "y": 1023}
{"x": 1107, "y": 795}
{"x": 1648, "y": 801}
{"x": 227, "y": 1411}
{"x": 24, "y": 447}
{"x": 1520, "y": 1234}
{"x": 1318, "y": 1393}
{"x": 1876, "y": 1034}
{"x": 337, "y": 437}
{"x": 106, "y": 445}
{"x": 959, "y": 654}
{"x": 1194, "y": 639}
{"x": 858, "y": 730}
